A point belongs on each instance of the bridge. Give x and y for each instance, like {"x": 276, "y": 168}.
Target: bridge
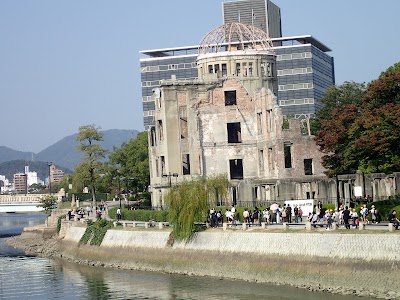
{"x": 20, "y": 203}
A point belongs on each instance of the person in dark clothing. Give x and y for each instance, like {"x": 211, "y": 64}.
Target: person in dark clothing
{"x": 392, "y": 219}
{"x": 346, "y": 217}
{"x": 296, "y": 214}
{"x": 289, "y": 213}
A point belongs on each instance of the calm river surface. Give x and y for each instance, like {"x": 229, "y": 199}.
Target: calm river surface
{"x": 23, "y": 277}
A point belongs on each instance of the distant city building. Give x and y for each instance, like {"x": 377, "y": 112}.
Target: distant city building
{"x": 5, "y": 185}
{"x": 304, "y": 69}
{"x": 20, "y": 183}
{"x": 32, "y": 178}
{"x": 56, "y": 175}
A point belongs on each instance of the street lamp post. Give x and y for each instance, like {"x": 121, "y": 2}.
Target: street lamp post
{"x": 49, "y": 164}
{"x": 119, "y": 189}
{"x": 127, "y": 187}
{"x": 169, "y": 175}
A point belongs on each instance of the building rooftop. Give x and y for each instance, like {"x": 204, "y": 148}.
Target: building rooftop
{"x": 194, "y": 50}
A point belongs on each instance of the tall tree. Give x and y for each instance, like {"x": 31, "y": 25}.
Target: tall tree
{"x": 377, "y": 130}
{"x": 87, "y": 170}
{"x": 364, "y": 133}
{"x": 339, "y": 109}
{"x": 132, "y": 161}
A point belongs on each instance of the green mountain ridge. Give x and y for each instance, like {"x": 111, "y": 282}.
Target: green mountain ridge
{"x": 63, "y": 153}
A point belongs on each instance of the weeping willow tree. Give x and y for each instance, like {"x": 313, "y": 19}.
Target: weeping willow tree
{"x": 189, "y": 203}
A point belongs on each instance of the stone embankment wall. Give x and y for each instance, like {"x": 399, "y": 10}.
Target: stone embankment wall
{"x": 344, "y": 246}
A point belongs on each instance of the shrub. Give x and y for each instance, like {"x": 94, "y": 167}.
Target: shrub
{"x": 59, "y": 219}
{"x": 140, "y": 215}
{"x": 95, "y": 232}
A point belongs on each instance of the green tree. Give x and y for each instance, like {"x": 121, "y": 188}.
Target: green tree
{"x": 336, "y": 97}
{"x": 132, "y": 162}
{"x": 87, "y": 170}
{"x": 339, "y": 110}
{"x": 359, "y": 128}
{"x": 376, "y": 132}
{"x": 189, "y": 201}
{"x": 48, "y": 203}
{"x": 36, "y": 187}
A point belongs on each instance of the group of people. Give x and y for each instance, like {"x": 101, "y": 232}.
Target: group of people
{"x": 268, "y": 215}
{"x": 343, "y": 215}
{"x": 99, "y": 210}
{"x": 286, "y": 214}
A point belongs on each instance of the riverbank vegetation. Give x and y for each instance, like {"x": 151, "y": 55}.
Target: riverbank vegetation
{"x": 189, "y": 203}
{"x": 95, "y": 232}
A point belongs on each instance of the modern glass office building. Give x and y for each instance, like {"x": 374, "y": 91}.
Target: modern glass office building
{"x": 304, "y": 67}
{"x": 304, "y": 70}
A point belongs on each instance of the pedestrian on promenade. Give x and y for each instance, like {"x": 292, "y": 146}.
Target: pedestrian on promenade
{"x": 119, "y": 214}
{"x": 289, "y": 213}
{"x": 346, "y": 217}
{"x": 374, "y": 214}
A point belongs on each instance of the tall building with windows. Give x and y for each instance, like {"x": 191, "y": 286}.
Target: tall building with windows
{"x": 20, "y": 183}
{"x": 304, "y": 67}
{"x": 260, "y": 13}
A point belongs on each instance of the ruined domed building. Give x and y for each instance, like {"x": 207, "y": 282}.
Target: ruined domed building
{"x": 228, "y": 122}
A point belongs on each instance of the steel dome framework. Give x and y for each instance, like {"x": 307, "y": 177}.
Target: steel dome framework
{"x": 238, "y": 35}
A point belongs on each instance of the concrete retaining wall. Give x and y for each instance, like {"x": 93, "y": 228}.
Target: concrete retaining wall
{"x": 74, "y": 234}
{"x": 361, "y": 246}
{"x": 344, "y": 246}
{"x": 150, "y": 239}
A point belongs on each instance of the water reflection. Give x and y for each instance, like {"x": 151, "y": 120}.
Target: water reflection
{"x": 36, "y": 278}
{"x": 13, "y": 224}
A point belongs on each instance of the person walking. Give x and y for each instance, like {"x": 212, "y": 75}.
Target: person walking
{"x": 374, "y": 214}
{"x": 346, "y": 217}
{"x": 119, "y": 214}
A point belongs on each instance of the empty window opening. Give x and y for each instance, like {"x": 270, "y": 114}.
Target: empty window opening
{"x": 234, "y": 133}
{"x": 185, "y": 164}
{"x": 261, "y": 160}
{"x": 244, "y": 67}
{"x": 224, "y": 70}
{"x": 184, "y": 128}
{"x": 236, "y": 168}
{"x": 234, "y": 196}
{"x": 308, "y": 166}
{"x": 250, "y": 72}
{"x": 271, "y": 158}
{"x": 216, "y": 68}
{"x": 238, "y": 69}
{"x": 259, "y": 123}
{"x": 269, "y": 69}
{"x": 160, "y": 130}
{"x": 153, "y": 136}
{"x": 162, "y": 165}
{"x": 157, "y": 168}
{"x": 230, "y": 98}
{"x": 288, "y": 154}
{"x": 262, "y": 69}
{"x": 269, "y": 120}
{"x": 210, "y": 69}
{"x": 310, "y": 195}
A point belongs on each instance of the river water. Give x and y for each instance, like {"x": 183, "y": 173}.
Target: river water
{"x": 23, "y": 277}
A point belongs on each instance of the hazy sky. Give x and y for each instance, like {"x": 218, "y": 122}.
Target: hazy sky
{"x": 69, "y": 63}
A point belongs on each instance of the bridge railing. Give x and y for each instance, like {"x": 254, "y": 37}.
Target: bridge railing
{"x": 30, "y": 198}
